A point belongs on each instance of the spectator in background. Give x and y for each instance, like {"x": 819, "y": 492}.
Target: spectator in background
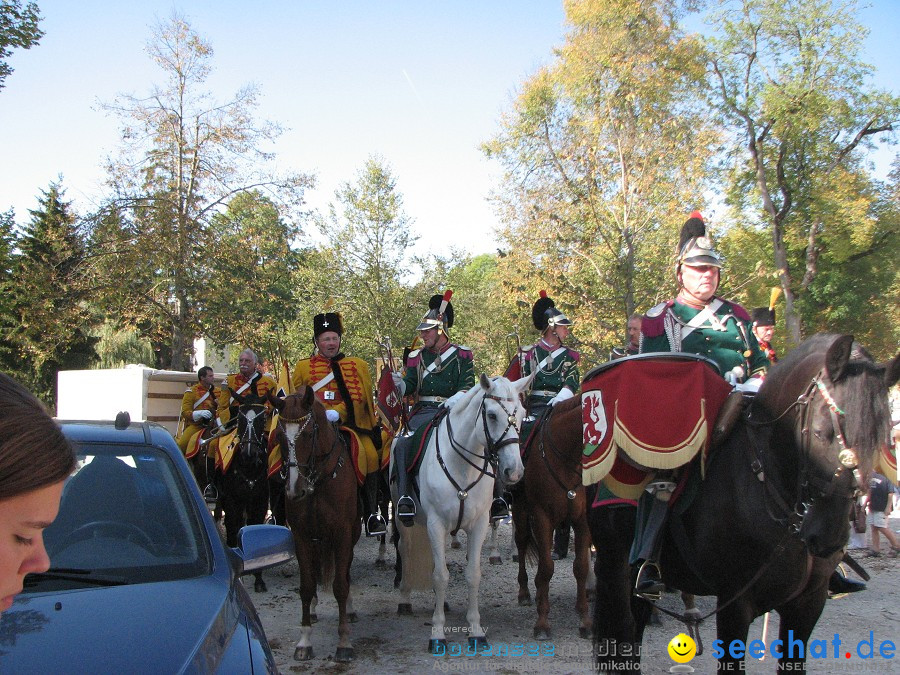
{"x": 880, "y": 502}
{"x": 35, "y": 460}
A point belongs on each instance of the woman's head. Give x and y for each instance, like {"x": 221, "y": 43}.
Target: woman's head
{"x": 35, "y": 459}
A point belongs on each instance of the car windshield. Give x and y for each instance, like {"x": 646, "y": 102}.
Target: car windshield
{"x": 126, "y": 517}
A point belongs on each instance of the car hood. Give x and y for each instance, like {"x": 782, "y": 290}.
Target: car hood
{"x": 161, "y": 627}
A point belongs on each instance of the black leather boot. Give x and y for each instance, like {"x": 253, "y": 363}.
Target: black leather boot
{"x": 406, "y": 507}
{"x": 375, "y": 525}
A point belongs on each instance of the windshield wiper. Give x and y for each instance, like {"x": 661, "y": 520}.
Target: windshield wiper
{"x": 86, "y": 576}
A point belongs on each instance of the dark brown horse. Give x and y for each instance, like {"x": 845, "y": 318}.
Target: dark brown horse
{"x": 551, "y": 493}
{"x": 770, "y": 519}
{"x": 321, "y": 501}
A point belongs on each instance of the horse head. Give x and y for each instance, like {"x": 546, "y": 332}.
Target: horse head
{"x": 306, "y": 440}
{"x": 831, "y": 400}
{"x": 501, "y": 413}
{"x": 251, "y": 428}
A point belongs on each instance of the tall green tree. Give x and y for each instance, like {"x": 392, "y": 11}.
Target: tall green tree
{"x": 248, "y": 297}
{"x": 19, "y": 28}
{"x": 363, "y": 266}
{"x": 789, "y": 81}
{"x": 605, "y": 152}
{"x": 50, "y": 320}
{"x": 184, "y": 156}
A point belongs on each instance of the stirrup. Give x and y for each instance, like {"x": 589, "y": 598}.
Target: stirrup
{"x": 499, "y": 509}
{"x": 406, "y": 510}
{"x": 375, "y": 525}
{"x": 210, "y": 494}
{"x": 649, "y": 580}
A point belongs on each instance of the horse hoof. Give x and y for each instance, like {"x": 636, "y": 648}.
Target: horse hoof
{"x": 404, "y": 609}
{"x": 343, "y": 654}
{"x": 584, "y": 632}
{"x": 542, "y": 634}
{"x": 303, "y": 654}
{"x": 495, "y": 560}
{"x": 352, "y": 617}
{"x": 437, "y": 646}
{"x": 455, "y": 544}
{"x": 380, "y": 565}
{"x": 260, "y": 586}
{"x": 478, "y": 643}
{"x": 525, "y": 601}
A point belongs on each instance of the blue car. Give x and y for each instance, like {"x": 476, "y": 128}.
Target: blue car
{"x": 141, "y": 581}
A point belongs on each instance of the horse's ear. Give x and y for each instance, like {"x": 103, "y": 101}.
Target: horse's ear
{"x": 892, "y": 371}
{"x": 278, "y": 403}
{"x": 837, "y": 357}
{"x": 485, "y": 382}
{"x": 309, "y": 396}
{"x": 236, "y": 396}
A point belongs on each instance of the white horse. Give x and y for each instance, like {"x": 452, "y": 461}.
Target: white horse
{"x": 479, "y": 435}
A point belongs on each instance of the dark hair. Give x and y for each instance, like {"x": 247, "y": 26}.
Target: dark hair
{"x": 203, "y": 371}
{"x": 33, "y": 451}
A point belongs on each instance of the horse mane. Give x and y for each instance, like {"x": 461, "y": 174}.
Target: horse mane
{"x": 864, "y": 402}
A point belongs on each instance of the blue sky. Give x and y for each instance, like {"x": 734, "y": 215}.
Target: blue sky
{"x": 419, "y": 83}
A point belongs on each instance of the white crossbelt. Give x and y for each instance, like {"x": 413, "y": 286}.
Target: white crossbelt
{"x": 244, "y": 387}
{"x": 707, "y": 313}
{"x": 434, "y": 364}
{"x": 201, "y": 399}
{"x": 549, "y": 358}
{"x": 325, "y": 380}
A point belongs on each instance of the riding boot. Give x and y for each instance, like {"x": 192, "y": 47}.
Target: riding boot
{"x": 406, "y": 507}
{"x": 375, "y": 525}
{"x": 561, "y": 541}
{"x": 649, "y": 577}
{"x": 499, "y": 507}
{"x": 728, "y": 414}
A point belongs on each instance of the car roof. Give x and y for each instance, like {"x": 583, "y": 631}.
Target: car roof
{"x": 105, "y": 431}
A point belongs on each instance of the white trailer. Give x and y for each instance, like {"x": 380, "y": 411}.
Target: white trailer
{"x": 146, "y": 393}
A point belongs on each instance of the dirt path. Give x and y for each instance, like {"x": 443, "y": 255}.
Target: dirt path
{"x": 386, "y": 643}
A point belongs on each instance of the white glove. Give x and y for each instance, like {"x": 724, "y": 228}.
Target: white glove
{"x": 202, "y": 415}
{"x": 399, "y": 383}
{"x": 751, "y": 385}
{"x": 332, "y": 415}
{"x": 564, "y": 394}
{"x": 453, "y": 400}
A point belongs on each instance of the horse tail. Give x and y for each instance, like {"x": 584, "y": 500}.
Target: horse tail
{"x": 418, "y": 565}
{"x": 325, "y": 568}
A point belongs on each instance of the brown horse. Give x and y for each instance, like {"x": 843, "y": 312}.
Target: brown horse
{"x": 551, "y": 493}
{"x": 320, "y": 490}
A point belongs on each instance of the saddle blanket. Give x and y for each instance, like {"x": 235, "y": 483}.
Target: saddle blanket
{"x": 657, "y": 411}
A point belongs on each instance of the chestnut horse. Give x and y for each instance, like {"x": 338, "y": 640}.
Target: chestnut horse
{"x": 770, "y": 519}
{"x": 551, "y": 493}
{"x": 321, "y": 504}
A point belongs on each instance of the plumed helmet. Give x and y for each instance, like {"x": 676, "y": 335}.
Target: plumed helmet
{"x": 763, "y": 316}
{"x": 694, "y": 248}
{"x": 439, "y": 314}
{"x": 544, "y": 314}
{"x": 327, "y": 321}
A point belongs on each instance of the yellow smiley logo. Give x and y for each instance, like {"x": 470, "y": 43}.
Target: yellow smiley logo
{"x": 682, "y": 648}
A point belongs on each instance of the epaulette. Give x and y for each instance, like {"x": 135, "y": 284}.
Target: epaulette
{"x": 464, "y": 352}
{"x": 653, "y": 323}
{"x": 527, "y": 348}
{"x": 739, "y": 311}
{"x": 575, "y": 356}
{"x": 412, "y": 359}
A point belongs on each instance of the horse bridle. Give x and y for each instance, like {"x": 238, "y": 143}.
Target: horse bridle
{"x": 848, "y": 458}
{"x": 491, "y": 457}
{"x": 312, "y": 476}
{"x": 571, "y": 493}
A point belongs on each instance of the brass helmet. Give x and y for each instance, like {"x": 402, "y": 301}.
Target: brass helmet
{"x": 694, "y": 248}
{"x": 544, "y": 314}
{"x": 439, "y": 314}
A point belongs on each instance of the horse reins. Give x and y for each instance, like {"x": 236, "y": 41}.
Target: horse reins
{"x": 571, "y": 493}
{"x": 490, "y": 457}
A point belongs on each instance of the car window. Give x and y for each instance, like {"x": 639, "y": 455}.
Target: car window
{"x": 126, "y": 516}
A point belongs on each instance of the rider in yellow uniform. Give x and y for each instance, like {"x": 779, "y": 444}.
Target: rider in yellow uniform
{"x": 344, "y": 386}
{"x": 198, "y": 406}
{"x": 247, "y": 381}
